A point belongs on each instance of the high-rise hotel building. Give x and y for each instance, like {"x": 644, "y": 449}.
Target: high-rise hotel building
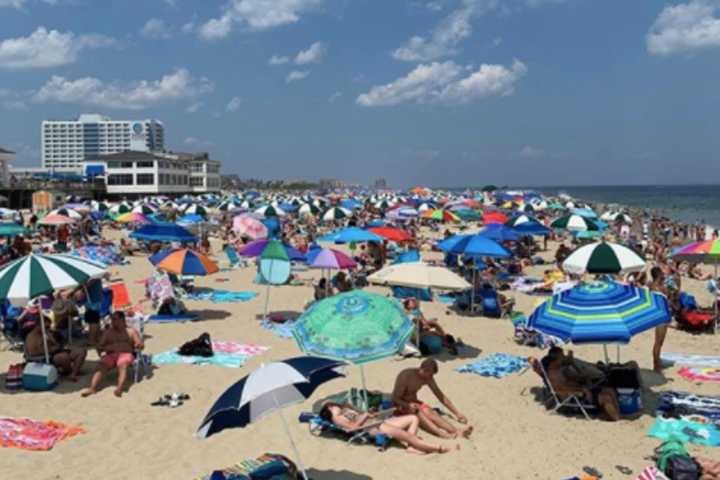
{"x": 67, "y": 144}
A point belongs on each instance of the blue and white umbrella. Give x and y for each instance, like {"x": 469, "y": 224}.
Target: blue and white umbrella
{"x": 268, "y": 389}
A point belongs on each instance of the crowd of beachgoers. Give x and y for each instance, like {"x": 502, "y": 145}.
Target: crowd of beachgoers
{"x": 159, "y": 301}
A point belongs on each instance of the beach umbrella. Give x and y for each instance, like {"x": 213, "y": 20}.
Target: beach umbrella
{"x": 246, "y": 225}
{"x": 270, "y": 211}
{"x": 351, "y": 234}
{"x": 392, "y": 234}
{"x": 66, "y": 212}
{"x": 419, "y": 275}
{"x": 519, "y": 220}
{"x": 383, "y": 204}
{"x": 163, "y": 232}
{"x": 196, "y": 209}
{"x": 144, "y": 209}
{"x": 274, "y": 267}
{"x": 467, "y": 214}
{"x": 500, "y": 233}
{"x": 330, "y": 259}
{"x": 616, "y": 217}
{"x": 269, "y": 389}
{"x": 183, "y": 261}
{"x": 473, "y": 245}
{"x": 56, "y": 220}
{"x": 705, "y": 251}
{"x": 33, "y": 275}
{"x": 132, "y": 217}
{"x": 336, "y": 213}
{"x": 575, "y": 223}
{"x": 601, "y": 312}
{"x": 440, "y": 215}
{"x": 229, "y": 205}
{"x": 256, "y": 248}
{"x": 120, "y": 208}
{"x": 12, "y": 229}
{"x": 494, "y": 217}
{"x": 603, "y": 257}
{"x": 308, "y": 209}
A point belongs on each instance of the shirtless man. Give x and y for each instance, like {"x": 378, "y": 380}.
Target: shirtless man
{"x": 118, "y": 342}
{"x": 68, "y": 361}
{"x": 404, "y": 396}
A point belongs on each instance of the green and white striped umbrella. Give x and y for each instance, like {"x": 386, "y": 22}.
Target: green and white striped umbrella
{"x": 336, "y": 213}
{"x": 120, "y": 208}
{"x": 575, "y": 223}
{"x": 603, "y": 257}
{"x": 35, "y": 275}
{"x": 144, "y": 209}
{"x": 308, "y": 209}
{"x": 195, "y": 209}
{"x": 270, "y": 211}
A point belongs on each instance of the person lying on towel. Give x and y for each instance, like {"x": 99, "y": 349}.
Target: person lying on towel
{"x": 172, "y": 306}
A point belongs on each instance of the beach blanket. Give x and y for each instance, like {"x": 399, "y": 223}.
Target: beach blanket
{"x": 701, "y": 374}
{"x": 690, "y": 360}
{"x": 685, "y": 431}
{"x": 270, "y": 465}
{"x": 235, "y": 348}
{"x": 282, "y": 330}
{"x": 446, "y": 299}
{"x": 672, "y": 403}
{"x": 121, "y": 297}
{"x": 226, "y": 354}
{"x": 30, "y": 434}
{"x": 497, "y": 365}
{"x": 220, "y": 296}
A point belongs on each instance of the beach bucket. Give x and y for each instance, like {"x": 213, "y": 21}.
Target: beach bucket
{"x": 629, "y": 400}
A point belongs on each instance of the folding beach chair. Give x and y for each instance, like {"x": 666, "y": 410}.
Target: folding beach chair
{"x": 574, "y": 402}
{"x": 318, "y": 426}
{"x": 120, "y": 297}
{"x": 143, "y": 362}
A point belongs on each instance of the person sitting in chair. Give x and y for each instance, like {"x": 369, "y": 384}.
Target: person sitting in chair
{"x": 402, "y": 428}
{"x": 432, "y": 336}
{"x": 323, "y": 290}
{"x": 68, "y": 361}
{"x": 569, "y": 376}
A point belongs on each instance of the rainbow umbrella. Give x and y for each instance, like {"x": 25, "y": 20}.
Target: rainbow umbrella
{"x": 440, "y": 215}
{"x": 706, "y": 251}
{"x": 132, "y": 217}
{"x": 184, "y": 261}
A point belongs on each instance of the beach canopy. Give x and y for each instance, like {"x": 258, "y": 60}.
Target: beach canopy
{"x": 163, "y": 232}
{"x": 33, "y": 275}
{"x": 268, "y": 389}
{"x": 351, "y": 234}
{"x": 603, "y": 257}
{"x": 600, "y": 312}
{"x": 329, "y": 258}
{"x": 357, "y": 326}
{"x": 184, "y": 261}
{"x": 419, "y": 275}
{"x": 575, "y": 223}
{"x": 473, "y": 245}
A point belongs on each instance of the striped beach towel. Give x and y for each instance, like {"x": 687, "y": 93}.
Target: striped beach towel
{"x": 651, "y": 473}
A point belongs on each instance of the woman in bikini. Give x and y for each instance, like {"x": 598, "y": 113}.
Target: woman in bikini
{"x": 402, "y": 428}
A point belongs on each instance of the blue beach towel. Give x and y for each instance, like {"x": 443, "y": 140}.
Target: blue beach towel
{"x": 690, "y": 360}
{"x": 282, "y": 330}
{"x": 497, "y": 365}
{"x": 181, "y": 317}
{"x": 220, "y": 359}
{"x": 446, "y": 299}
{"x": 220, "y": 296}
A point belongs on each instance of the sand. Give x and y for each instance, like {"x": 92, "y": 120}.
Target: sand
{"x": 515, "y": 437}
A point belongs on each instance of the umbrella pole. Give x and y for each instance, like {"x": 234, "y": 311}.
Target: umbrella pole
{"x": 364, "y": 388}
{"x": 715, "y": 301}
{"x": 605, "y": 350}
{"x": 44, "y": 335}
{"x": 287, "y": 432}
{"x": 472, "y": 293}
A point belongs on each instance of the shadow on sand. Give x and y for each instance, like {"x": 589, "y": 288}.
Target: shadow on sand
{"x": 315, "y": 474}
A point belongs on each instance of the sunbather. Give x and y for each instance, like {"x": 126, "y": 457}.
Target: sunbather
{"x": 569, "y": 376}
{"x": 431, "y": 332}
{"x": 119, "y": 343}
{"x": 404, "y": 396}
{"x": 402, "y": 428}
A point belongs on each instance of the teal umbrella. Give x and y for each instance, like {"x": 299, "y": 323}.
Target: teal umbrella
{"x": 11, "y": 229}
{"x": 274, "y": 267}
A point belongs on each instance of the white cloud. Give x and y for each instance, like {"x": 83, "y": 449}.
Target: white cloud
{"x": 47, "y": 48}
{"x": 296, "y": 75}
{"x": 196, "y": 142}
{"x": 188, "y": 27}
{"x": 234, "y": 104}
{"x": 531, "y": 152}
{"x": 91, "y": 91}
{"x": 278, "y": 60}
{"x": 156, "y": 28}
{"x": 445, "y": 84}
{"x": 255, "y": 15}
{"x": 12, "y": 3}
{"x": 194, "y": 107}
{"x": 335, "y": 96}
{"x": 685, "y": 27}
{"x": 313, "y": 54}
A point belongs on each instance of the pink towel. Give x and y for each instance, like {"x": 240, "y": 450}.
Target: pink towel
{"x": 235, "y": 348}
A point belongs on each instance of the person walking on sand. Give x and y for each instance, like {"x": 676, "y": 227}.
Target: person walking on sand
{"x": 404, "y": 396}
{"x": 118, "y": 342}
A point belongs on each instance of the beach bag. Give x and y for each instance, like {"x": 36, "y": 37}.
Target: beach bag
{"x": 696, "y": 320}
{"x": 200, "y": 347}
{"x": 39, "y": 377}
{"x": 682, "y": 468}
{"x": 14, "y": 376}
{"x": 687, "y": 301}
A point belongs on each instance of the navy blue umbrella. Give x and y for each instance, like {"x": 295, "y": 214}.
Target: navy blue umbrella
{"x": 269, "y": 388}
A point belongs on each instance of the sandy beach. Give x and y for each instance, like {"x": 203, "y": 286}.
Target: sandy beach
{"x": 515, "y": 437}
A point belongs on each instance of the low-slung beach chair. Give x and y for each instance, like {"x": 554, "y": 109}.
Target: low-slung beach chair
{"x": 233, "y": 258}
{"x": 318, "y": 426}
{"x": 573, "y": 402}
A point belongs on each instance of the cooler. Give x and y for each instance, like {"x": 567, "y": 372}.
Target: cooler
{"x": 39, "y": 377}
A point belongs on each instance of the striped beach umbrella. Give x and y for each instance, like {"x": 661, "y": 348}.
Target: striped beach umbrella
{"x": 703, "y": 251}
{"x": 519, "y": 220}
{"x": 601, "y": 312}
{"x": 56, "y": 220}
{"x": 440, "y": 215}
{"x": 575, "y": 223}
{"x": 66, "y": 212}
{"x": 330, "y": 259}
{"x": 132, "y": 217}
{"x": 183, "y": 261}
{"x": 195, "y": 209}
{"x": 120, "y": 208}
{"x": 603, "y": 257}
{"x": 336, "y": 213}
{"x": 308, "y": 209}
{"x": 270, "y": 211}
{"x": 144, "y": 209}
{"x": 34, "y": 275}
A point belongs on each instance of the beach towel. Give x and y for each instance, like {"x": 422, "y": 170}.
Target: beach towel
{"x": 282, "y": 330}
{"x": 701, "y": 374}
{"x": 220, "y": 296}
{"x": 446, "y": 299}
{"x": 235, "y": 348}
{"x": 497, "y": 365}
{"x": 268, "y": 466}
{"x": 226, "y": 354}
{"x": 685, "y": 431}
{"x": 690, "y": 360}
{"x": 651, "y": 473}
{"x": 121, "y": 297}
{"x": 672, "y": 403}
{"x": 30, "y": 434}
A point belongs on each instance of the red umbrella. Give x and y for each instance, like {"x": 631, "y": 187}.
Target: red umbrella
{"x": 494, "y": 217}
{"x": 393, "y": 234}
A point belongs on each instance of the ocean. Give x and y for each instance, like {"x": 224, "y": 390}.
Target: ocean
{"x": 686, "y": 203}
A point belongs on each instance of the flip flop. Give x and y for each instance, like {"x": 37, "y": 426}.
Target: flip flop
{"x": 593, "y": 471}
{"x": 623, "y": 469}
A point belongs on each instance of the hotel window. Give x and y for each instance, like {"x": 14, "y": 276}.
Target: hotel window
{"x": 150, "y": 164}
{"x": 196, "y": 182}
{"x": 146, "y": 179}
{"x": 121, "y": 179}
{"x": 126, "y": 164}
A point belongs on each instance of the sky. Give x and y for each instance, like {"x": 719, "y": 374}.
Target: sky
{"x": 419, "y": 92}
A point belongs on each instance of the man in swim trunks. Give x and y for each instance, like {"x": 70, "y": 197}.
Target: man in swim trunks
{"x": 404, "y": 396}
{"x": 118, "y": 342}
{"x": 68, "y": 361}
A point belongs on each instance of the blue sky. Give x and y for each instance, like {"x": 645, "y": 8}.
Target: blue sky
{"x": 432, "y": 92}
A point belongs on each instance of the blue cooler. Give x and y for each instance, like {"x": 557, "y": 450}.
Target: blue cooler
{"x": 629, "y": 400}
{"x": 39, "y": 377}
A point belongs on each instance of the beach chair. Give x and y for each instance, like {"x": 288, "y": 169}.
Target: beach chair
{"x": 142, "y": 364}
{"x": 573, "y": 402}
{"x": 318, "y": 426}
{"x": 233, "y": 257}
{"x": 490, "y": 303}
{"x": 120, "y": 296}
{"x": 10, "y": 326}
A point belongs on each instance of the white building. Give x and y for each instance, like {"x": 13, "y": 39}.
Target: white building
{"x": 155, "y": 173}
{"x": 66, "y": 144}
{"x": 6, "y": 156}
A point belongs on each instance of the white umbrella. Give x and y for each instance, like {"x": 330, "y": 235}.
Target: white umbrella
{"x": 604, "y": 257}
{"x": 419, "y": 275}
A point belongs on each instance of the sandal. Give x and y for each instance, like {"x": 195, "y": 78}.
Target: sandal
{"x": 593, "y": 472}
{"x": 623, "y": 469}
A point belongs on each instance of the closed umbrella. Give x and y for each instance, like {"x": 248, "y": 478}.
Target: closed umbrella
{"x": 603, "y": 257}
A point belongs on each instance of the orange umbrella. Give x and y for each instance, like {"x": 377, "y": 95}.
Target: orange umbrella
{"x": 393, "y": 234}
{"x": 184, "y": 261}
